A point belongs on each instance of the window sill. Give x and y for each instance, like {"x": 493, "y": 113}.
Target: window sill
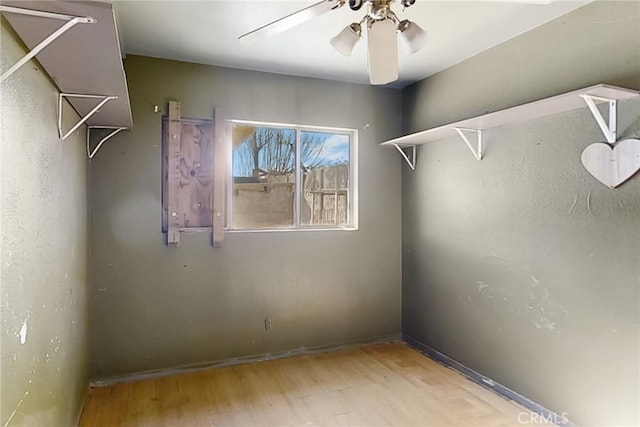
{"x": 291, "y": 230}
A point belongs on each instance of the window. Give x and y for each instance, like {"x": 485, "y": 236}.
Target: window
{"x": 291, "y": 177}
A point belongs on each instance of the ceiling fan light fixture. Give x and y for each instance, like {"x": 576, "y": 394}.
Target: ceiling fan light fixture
{"x": 347, "y": 39}
{"x": 413, "y": 37}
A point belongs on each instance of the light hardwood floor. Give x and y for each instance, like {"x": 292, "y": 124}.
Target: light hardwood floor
{"x": 371, "y": 385}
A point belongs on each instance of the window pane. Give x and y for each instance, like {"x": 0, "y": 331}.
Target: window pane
{"x": 263, "y": 177}
{"x": 325, "y": 178}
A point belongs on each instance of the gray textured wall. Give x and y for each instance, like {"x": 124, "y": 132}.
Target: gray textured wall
{"x": 155, "y": 306}
{"x": 522, "y": 266}
{"x": 43, "y": 251}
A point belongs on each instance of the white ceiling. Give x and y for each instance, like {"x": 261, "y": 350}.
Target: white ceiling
{"x": 207, "y": 32}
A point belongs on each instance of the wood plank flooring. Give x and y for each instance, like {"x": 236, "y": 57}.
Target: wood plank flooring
{"x": 371, "y": 385}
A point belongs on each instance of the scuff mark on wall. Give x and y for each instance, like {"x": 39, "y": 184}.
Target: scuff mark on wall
{"x": 23, "y": 332}
{"x": 547, "y": 313}
{"x": 494, "y": 255}
{"x": 509, "y": 264}
{"x": 573, "y": 206}
{"x": 13, "y": 414}
{"x": 589, "y": 203}
{"x": 534, "y": 300}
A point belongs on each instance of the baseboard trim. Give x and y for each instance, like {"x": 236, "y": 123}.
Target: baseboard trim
{"x": 488, "y": 383}
{"x": 159, "y": 373}
{"x": 85, "y": 398}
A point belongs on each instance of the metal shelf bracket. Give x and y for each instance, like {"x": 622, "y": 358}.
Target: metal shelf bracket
{"x": 103, "y": 100}
{"x": 114, "y": 131}
{"x": 609, "y": 128}
{"x": 410, "y": 158}
{"x": 71, "y": 21}
{"x": 477, "y": 152}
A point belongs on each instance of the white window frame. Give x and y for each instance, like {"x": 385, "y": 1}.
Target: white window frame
{"x": 297, "y": 226}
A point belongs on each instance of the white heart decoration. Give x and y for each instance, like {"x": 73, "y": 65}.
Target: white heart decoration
{"x": 612, "y": 166}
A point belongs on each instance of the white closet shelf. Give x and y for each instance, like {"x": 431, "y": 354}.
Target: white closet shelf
{"x": 84, "y": 60}
{"x": 533, "y": 110}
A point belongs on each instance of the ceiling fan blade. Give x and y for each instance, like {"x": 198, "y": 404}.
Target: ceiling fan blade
{"x": 383, "y": 52}
{"x": 291, "y": 20}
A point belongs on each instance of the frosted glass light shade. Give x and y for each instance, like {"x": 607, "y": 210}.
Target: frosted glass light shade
{"x": 413, "y": 37}
{"x": 383, "y": 52}
{"x": 347, "y": 39}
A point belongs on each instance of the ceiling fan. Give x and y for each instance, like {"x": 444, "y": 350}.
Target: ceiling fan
{"x": 382, "y": 25}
